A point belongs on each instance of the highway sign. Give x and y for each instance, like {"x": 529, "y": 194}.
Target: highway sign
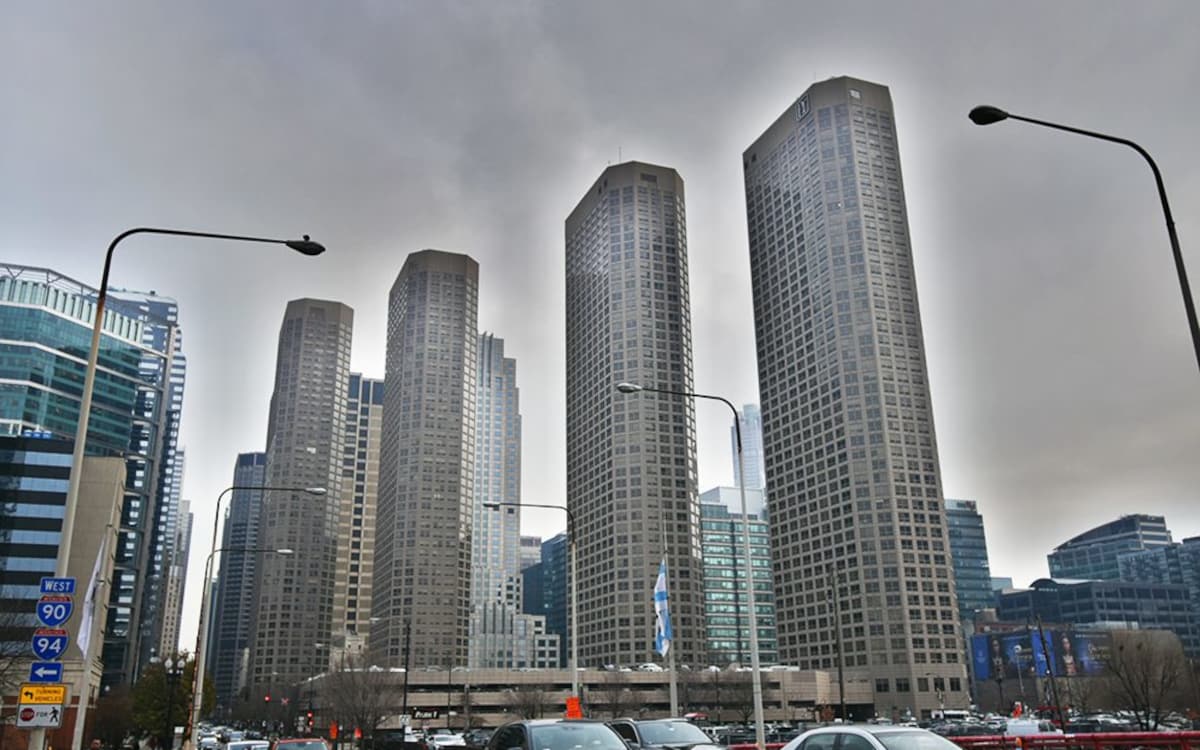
{"x": 48, "y": 717}
{"x": 33, "y": 694}
{"x": 54, "y": 610}
{"x": 49, "y": 643}
{"x": 58, "y": 585}
{"x": 46, "y": 671}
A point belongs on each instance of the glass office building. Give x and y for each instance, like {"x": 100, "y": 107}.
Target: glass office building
{"x": 726, "y": 600}
{"x": 45, "y": 336}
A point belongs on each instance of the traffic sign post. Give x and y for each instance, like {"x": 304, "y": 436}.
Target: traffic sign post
{"x": 44, "y": 717}
{"x": 39, "y": 694}
{"x": 46, "y": 671}
{"x": 53, "y": 610}
{"x": 58, "y": 586}
{"x": 49, "y": 643}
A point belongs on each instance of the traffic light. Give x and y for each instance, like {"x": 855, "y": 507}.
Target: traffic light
{"x": 267, "y": 698}
{"x": 310, "y": 719}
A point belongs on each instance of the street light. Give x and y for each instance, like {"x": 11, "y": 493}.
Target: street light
{"x": 573, "y": 631}
{"x": 303, "y": 246}
{"x": 205, "y": 613}
{"x": 987, "y": 115}
{"x": 760, "y": 736}
{"x": 174, "y": 670}
{"x": 206, "y": 605}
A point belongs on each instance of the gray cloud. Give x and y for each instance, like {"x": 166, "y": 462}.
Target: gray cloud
{"x": 1064, "y": 387}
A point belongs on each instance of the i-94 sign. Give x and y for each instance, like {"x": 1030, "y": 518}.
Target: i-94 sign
{"x": 49, "y": 643}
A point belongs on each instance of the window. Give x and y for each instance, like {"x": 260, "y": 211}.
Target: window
{"x": 855, "y": 742}
{"x": 823, "y": 741}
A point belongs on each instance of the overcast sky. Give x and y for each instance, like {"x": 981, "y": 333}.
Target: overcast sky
{"x": 1064, "y": 387}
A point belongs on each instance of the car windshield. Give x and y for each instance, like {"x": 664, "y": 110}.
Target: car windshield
{"x": 571, "y": 736}
{"x": 672, "y": 733}
{"x": 914, "y": 741}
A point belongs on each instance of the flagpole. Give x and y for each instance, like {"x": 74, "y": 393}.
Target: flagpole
{"x": 674, "y": 689}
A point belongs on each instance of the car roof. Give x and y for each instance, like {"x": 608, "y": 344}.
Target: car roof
{"x": 868, "y": 729}
{"x": 547, "y": 722}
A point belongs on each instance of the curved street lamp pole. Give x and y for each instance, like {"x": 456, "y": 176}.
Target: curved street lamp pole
{"x": 304, "y": 246}
{"x": 573, "y": 633}
{"x": 760, "y": 737}
{"x": 987, "y": 115}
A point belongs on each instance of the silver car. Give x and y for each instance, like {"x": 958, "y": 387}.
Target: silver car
{"x": 869, "y": 737}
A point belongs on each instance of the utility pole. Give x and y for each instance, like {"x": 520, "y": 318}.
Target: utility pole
{"x": 1058, "y": 709}
{"x": 407, "y": 668}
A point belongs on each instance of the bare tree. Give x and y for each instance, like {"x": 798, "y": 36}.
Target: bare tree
{"x": 689, "y": 684}
{"x": 739, "y": 694}
{"x": 527, "y": 701}
{"x": 1144, "y": 671}
{"x": 615, "y": 694}
{"x": 359, "y": 695}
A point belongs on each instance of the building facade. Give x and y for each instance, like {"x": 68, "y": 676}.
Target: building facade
{"x": 968, "y": 548}
{"x": 545, "y": 592}
{"x": 232, "y": 634}
{"x": 306, "y": 431}
{"x": 181, "y": 545}
{"x": 45, "y": 335}
{"x": 424, "y": 532}
{"x": 1146, "y": 606}
{"x": 1095, "y": 553}
{"x": 848, "y": 434}
{"x": 496, "y": 519}
{"x": 356, "y": 526}
{"x": 631, "y": 459}
{"x": 750, "y": 424}
{"x": 726, "y": 599}
{"x": 1178, "y": 564}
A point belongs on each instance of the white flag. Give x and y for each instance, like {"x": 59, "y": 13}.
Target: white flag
{"x": 86, "y": 623}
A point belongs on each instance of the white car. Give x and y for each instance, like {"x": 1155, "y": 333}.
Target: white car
{"x": 869, "y": 737}
{"x": 446, "y": 740}
{"x": 248, "y": 745}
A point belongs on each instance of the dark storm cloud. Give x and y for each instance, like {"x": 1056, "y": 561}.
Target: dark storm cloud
{"x": 1063, "y": 384}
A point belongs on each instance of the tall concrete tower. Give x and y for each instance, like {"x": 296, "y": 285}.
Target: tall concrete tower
{"x": 356, "y": 533}
{"x": 631, "y": 459}
{"x": 305, "y": 437}
{"x": 423, "y": 536}
{"x": 858, "y": 527}
{"x": 496, "y": 551}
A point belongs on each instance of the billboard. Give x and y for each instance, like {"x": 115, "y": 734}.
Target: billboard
{"x": 1005, "y": 655}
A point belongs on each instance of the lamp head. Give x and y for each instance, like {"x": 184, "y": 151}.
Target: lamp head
{"x": 491, "y": 505}
{"x": 629, "y": 387}
{"x": 285, "y": 551}
{"x": 305, "y": 246}
{"x": 316, "y": 490}
{"x": 986, "y": 114}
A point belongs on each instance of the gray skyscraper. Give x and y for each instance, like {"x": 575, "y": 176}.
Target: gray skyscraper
{"x": 423, "y": 536}
{"x": 851, "y": 457}
{"x": 496, "y": 532}
{"x": 631, "y": 459}
{"x": 750, "y": 421}
{"x": 233, "y": 610}
{"x": 176, "y": 578}
{"x": 356, "y": 526}
{"x": 305, "y": 436}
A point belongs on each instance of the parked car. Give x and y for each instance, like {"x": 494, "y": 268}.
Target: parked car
{"x": 556, "y": 734}
{"x": 676, "y": 734}
{"x": 869, "y": 737}
{"x": 477, "y": 738}
{"x": 301, "y": 743}
{"x": 248, "y": 745}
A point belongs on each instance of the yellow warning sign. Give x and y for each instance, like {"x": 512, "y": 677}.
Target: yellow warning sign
{"x": 34, "y": 694}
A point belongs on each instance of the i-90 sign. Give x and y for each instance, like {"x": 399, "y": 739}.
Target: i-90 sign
{"x": 53, "y": 611}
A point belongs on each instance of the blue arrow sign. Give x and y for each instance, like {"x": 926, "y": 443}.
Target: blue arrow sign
{"x": 55, "y": 610}
{"x": 49, "y": 643}
{"x": 46, "y": 671}
{"x": 58, "y": 585}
